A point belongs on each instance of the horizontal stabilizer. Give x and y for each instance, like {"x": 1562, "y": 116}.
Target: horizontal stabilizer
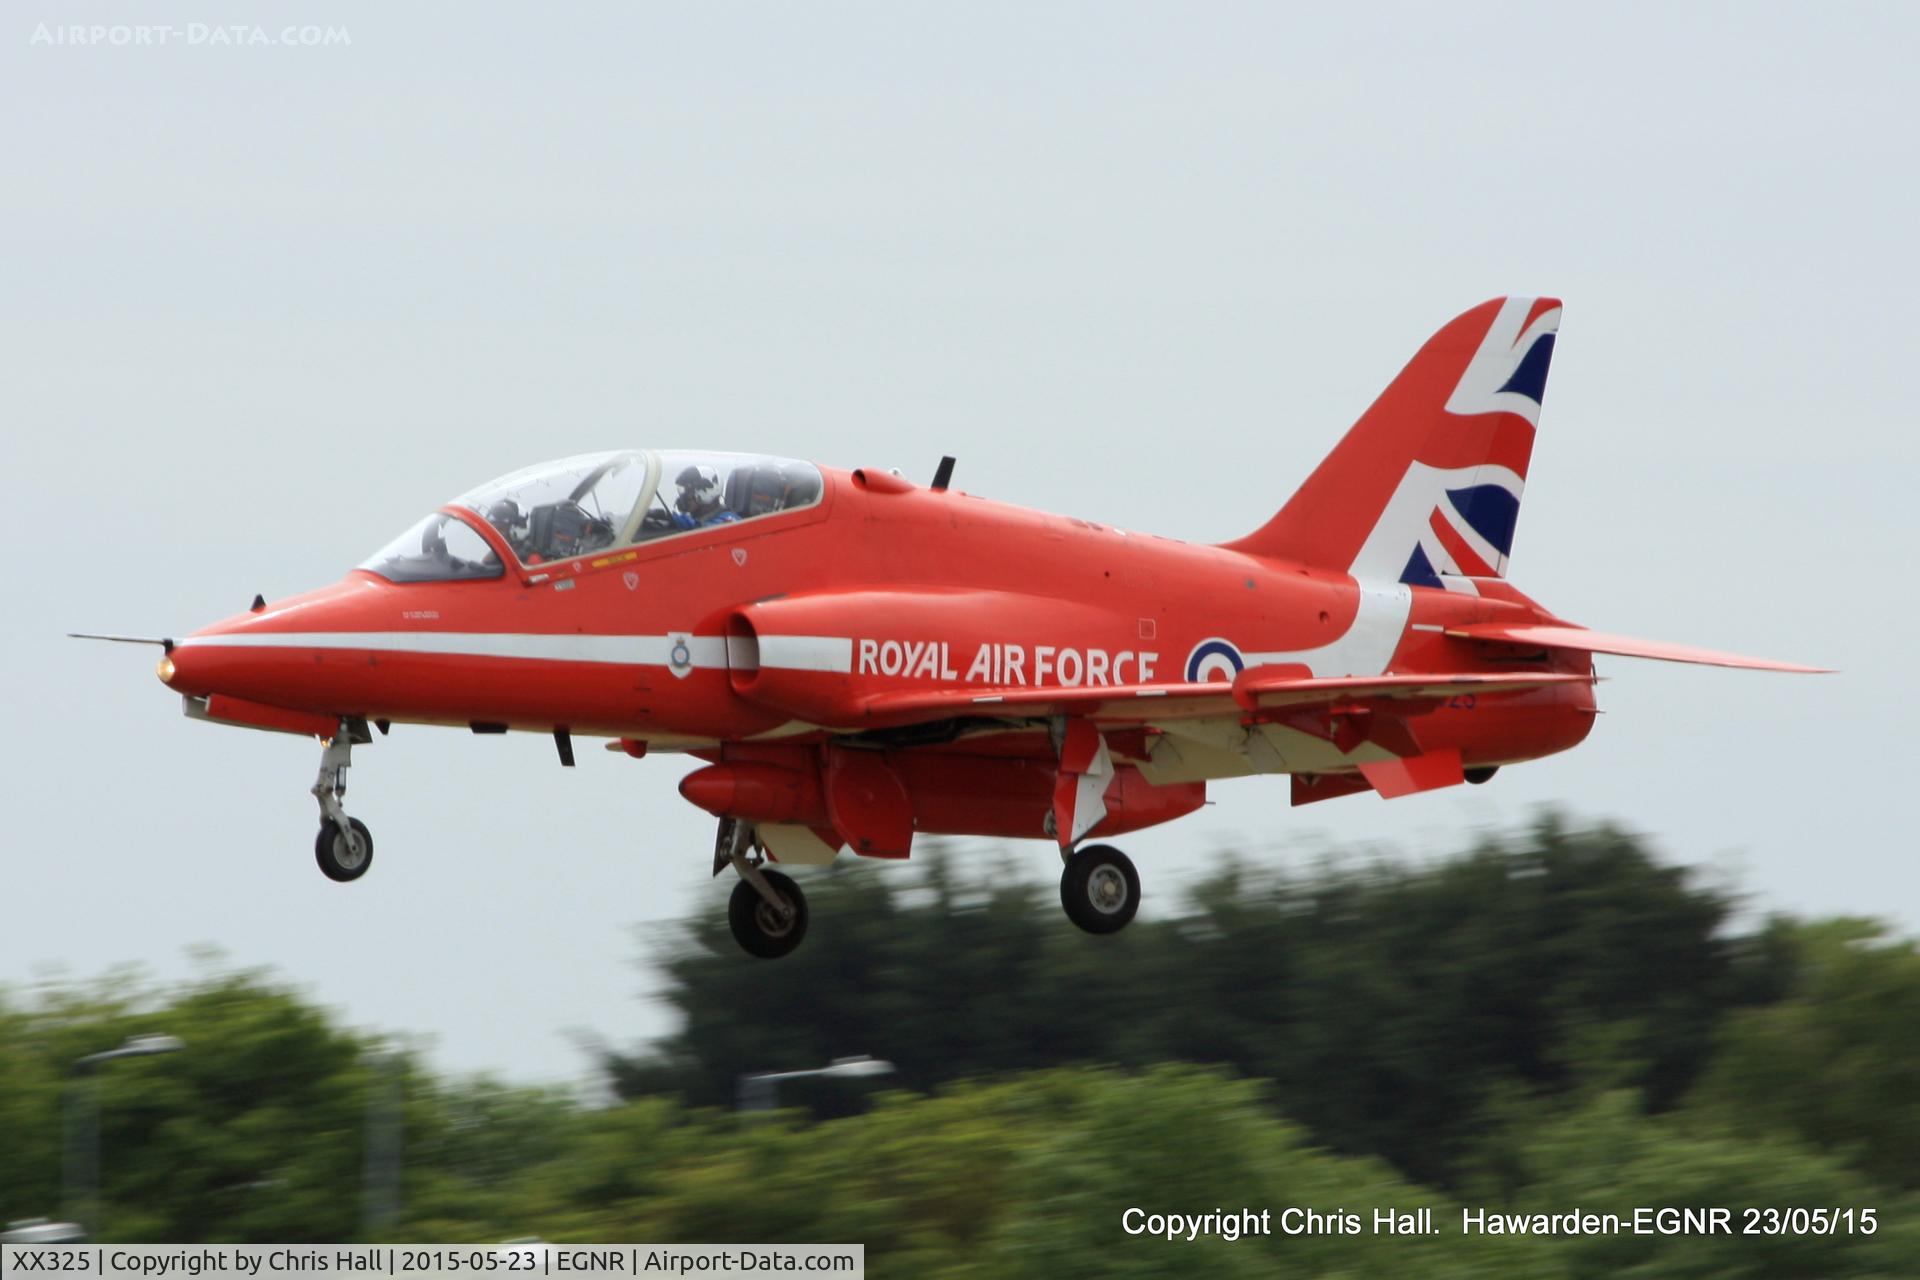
{"x": 1562, "y": 636}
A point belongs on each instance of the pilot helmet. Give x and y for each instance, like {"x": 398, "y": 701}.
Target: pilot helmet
{"x": 699, "y": 488}
{"x": 505, "y": 515}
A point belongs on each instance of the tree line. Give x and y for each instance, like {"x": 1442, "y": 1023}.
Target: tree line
{"x": 1553, "y": 1019}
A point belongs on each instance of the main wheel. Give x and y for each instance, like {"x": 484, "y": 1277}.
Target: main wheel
{"x": 757, "y": 927}
{"x": 1100, "y": 889}
{"x": 343, "y": 855}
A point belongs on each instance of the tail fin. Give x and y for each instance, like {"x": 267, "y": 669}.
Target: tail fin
{"x": 1425, "y": 488}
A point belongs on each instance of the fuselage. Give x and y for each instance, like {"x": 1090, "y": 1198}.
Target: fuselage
{"x": 898, "y": 587}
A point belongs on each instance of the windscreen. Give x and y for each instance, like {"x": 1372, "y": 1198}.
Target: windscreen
{"x": 441, "y": 548}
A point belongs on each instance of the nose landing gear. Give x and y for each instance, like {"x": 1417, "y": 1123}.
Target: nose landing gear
{"x": 343, "y": 855}
{"x": 344, "y": 847}
{"x": 767, "y": 913}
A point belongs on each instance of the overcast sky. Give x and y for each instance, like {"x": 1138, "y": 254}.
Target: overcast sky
{"x": 267, "y": 305}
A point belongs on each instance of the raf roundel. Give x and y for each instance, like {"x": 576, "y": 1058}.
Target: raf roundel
{"x": 680, "y": 654}
{"x": 1214, "y": 659}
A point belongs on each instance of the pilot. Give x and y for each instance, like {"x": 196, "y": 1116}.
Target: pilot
{"x": 699, "y": 503}
{"x": 506, "y": 516}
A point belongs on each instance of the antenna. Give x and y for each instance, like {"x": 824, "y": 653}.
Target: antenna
{"x": 89, "y": 635}
{"x": 944, "y": 474}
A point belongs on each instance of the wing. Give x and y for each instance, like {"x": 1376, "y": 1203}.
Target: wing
{"x": 1112, "y": 704}
{"x": 1255, "y": 689}
{"x": 1347, "y": 711}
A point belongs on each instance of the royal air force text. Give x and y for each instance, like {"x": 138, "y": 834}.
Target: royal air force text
{"x": 1005, "y": 664}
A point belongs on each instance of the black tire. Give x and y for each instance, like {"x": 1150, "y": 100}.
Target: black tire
{"x": 757, "y": 927}
{"x": 1100, "y": 889}
{"x": 336, "y": 857}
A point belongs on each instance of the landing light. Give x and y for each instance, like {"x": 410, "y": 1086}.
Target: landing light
{"x": 164, "y": 669}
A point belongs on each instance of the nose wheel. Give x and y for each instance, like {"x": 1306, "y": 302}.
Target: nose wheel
{"x": 1100, "y": 889}
{"x": 344, "y": 847}
{"x": 343, "y": 855}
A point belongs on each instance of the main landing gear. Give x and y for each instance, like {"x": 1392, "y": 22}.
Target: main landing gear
{"x": 1099, "y": 888}
{"x": 767, "y": 913}
{"x": 344, "y": 847}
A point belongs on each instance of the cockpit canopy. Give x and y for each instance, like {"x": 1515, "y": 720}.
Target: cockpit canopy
{"x": 583, "y": 504}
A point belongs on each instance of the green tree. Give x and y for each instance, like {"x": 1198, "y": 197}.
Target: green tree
{"x": 1026, "y": 1176}
{"x": 1388, "y": 1004}
{"x": 1837, "y": 1065}
{"x": 469, "y": 1146}
{"x": 1607, "y": 1156}
{"x": 31, "y": 1094}
{"x": 253, "y": 1132}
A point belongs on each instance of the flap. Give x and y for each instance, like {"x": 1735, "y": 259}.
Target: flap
{"x": 1396, "y": 778}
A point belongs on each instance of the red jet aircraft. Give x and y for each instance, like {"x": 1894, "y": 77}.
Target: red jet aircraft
{"x": 859, "y": 659}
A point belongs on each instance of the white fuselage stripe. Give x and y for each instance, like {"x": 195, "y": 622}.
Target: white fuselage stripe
{"x": 808, "y": 653}
{"x": 799, "y": 653}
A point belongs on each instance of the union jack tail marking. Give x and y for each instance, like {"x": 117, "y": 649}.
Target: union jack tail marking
{"x": 1425, "y": 488}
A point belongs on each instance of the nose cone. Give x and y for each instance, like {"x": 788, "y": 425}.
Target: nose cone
{"x": 270, "y": 656}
